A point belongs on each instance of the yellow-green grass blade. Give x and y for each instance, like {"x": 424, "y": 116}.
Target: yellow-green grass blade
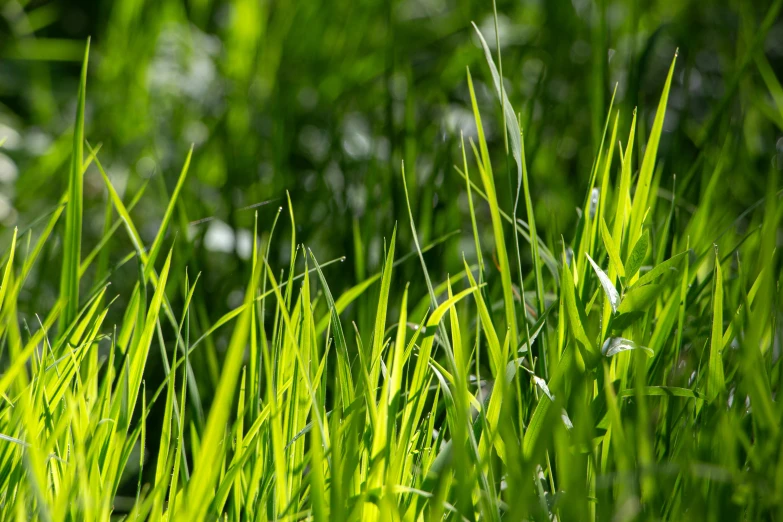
{"x": 119, "y": 206}
{"x": 417, "y": 389}
{"x": 664, "y": 269}
{"x": 616, "y": 265}
{"x": 511, "y": 124}
{"x": 289, "y": 327}
{"x": 158, "y": 242}
{"x": 621, "y": 211}
{"x": 604, "y": 196}
{"x": 541, "y": 421}
{"x": 134, "y": 308}
{"x": 521, "y": 227}
{"x": 213, "y": 447}
{"x": 6, "y": 282}
{"x": 179, "y": 451}
{"x": 353, "y": 293}
{"x": 343, "y": 364}
{"x": 585, "y": 234}
{"x": 39, "y": 244}
{"x": 100, "y": 248}
{"x": 641, "y": 196}
{"x": 390, "y": 398}
{"x": 254, "y": 375}
{"x": 137, "y": 354}
{"x": 162, "y": 469}
{"x": 69, "y": 279}
{"x": 576, "y": 316}
{"x": 380, "y": 314}
{"x": 497, "y": 225}
{"x": 433, "y": 297}
{"x": 637, "y": 256}
{"x": 474, "y": 226}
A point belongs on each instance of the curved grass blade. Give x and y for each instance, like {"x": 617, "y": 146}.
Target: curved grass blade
{"x": 615, "y": 345}
{"x": 611, "y": 292}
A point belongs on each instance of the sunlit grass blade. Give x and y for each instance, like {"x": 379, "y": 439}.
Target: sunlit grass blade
{"x": 72, "y": 241}
{"x": 641, "y": 196}
{"x": 611, "y": 292}
{"x": 5, "y": 283}
{"x": 637, "y": 255}
{"x": 576, "y": 316}
{"x": 615, "y": 345}
{"x": 158, "y": 242}
{"x": 613, "y": 250}
{"x": 213, "y": 445}
{"x": 497, "y": 225}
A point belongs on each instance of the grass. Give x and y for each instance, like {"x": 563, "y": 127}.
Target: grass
{"x": 626, "y": 370}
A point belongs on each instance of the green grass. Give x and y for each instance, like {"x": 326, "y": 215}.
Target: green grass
{"x": 625, "y": 369}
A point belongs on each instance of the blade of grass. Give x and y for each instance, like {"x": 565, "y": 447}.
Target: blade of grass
{"x": 69, "y": 279}
{"x": 715, "y": 376}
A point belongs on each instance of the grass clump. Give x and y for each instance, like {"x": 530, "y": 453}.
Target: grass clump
{"x": 626, "y": 371}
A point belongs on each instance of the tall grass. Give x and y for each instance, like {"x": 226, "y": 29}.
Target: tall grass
{"x": 630, "y": 375}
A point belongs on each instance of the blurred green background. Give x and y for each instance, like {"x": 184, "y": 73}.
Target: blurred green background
{"x": 325, "y": 99}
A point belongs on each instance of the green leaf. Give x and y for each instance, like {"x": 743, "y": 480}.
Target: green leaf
{"x": 496, "y": 356}
{"x": 640, "y": 203}
{"x": 208, "y": 460}
{"x": 612, "y": 250}
{"x": 637, "y": 256}
{"x": 7, "y": 272}
{"x": 639, "y": 299}
{"x": 72, "y": 241}
{"x": 661, "y": 391}
{"x": 485, "y": 170}
{"x": 541, "y": 383}
{"x": 772, "y": 83}
{"x": 164, "y": 224}
{"x": 614, "y": 345}
{"x": 670, "y": 265}
{"x": 611, "y": 292}
{"x": 576, "y": 316}
{"x": 518, "y": 152}
{"x": 380, "y": 314}
{"x": 715, "y": 378}
{"x": 623, "y": 191}
{"x": 541, "y": 421}
{"x": 343, "y": 364}
{"x": 137, "y": 354}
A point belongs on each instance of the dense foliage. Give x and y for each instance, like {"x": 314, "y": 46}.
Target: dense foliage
{"x": 420, "y": 327}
